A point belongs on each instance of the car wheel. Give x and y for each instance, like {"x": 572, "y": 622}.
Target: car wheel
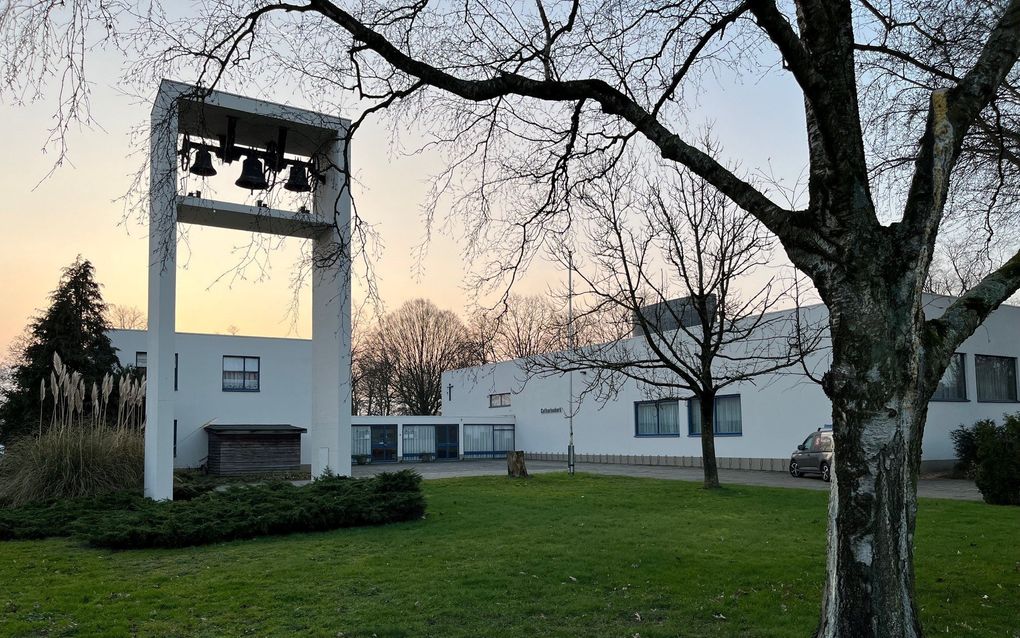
{"x": 826, "y": 473}
{"x": 795, "y": 470}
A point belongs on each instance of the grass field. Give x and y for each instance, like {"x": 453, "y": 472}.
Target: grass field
{"x": 551, "y": 556}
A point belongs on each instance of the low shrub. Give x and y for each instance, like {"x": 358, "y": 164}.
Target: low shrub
{"x": 129, "y": 521}
{"x": 965, "y": 446}
{"x": 266, "y": 509}
{"x": 191, "y": 483}
{"x": 62, "y": 517}
{"x": 67, "y": 462}
{"x": 991, "y": 454}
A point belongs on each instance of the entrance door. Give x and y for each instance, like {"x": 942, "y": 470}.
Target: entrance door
{"x": 384, "y": 443}
{"x": 447, "y": 441}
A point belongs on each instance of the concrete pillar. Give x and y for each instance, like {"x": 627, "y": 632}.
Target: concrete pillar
{"x": 159, "y": 389}
{"x": 331, "y": 324}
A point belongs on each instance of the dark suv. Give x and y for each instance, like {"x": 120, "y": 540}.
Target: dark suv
{"x": 814, "y": 455}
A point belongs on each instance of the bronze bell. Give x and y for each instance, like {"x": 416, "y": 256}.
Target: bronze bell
{"x": 203, "y": 164}
{"x": 297, "y": 181}
{"x": 252, "y": 176}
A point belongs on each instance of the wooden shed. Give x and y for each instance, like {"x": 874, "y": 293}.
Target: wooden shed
{"x": 253, "y": 449}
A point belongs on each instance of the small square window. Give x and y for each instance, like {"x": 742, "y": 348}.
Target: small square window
{"x": 241, "y": 374}
{"x": 500, "y": 400}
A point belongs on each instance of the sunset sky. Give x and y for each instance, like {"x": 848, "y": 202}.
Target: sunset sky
{"x": 48, "y": 219}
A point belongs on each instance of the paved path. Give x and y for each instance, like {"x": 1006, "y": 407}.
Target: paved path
{"x": 930, "y": 488}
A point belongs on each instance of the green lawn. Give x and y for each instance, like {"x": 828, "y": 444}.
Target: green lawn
{"x": 552, "y": 556}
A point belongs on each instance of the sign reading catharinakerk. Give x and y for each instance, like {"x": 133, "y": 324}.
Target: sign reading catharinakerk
{"x": 551, "y": 410}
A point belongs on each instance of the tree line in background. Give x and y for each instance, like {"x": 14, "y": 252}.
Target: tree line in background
{"x": 398, "y": 360}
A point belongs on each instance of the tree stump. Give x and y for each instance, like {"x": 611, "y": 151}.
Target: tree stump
{"x": 515, "y": 467}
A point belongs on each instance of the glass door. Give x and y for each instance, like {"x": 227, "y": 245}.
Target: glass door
{"x": 384, "y": 443}
{"x": 446, "y": 441}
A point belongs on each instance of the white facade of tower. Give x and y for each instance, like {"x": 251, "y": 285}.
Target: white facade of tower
{"x": 181, "y": 109}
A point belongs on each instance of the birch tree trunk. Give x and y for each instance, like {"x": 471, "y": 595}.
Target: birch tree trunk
{"x": 879, "y": 411}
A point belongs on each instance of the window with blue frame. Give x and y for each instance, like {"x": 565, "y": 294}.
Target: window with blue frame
{"x": 657, "y": 418}
{"x": 727, "y": 418}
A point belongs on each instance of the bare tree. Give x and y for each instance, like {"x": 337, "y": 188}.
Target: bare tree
{"x": 357, "y": 367}
{"x": 911, "y": 118}
{"x": 126, "y": 317}
{"x": 673, "y": 254}
{"x": 481, "y": 337}
{"x": 524, "y": 326}
{"x": 232, "y": 330}
{"x": 958, "y": 265}
{"x": 373, "y": 373}
{"x": 527, "y": 326}
{"x": 422, "y": 342}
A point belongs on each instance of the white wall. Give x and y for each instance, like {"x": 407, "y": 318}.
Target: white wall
{"x": 284, "y": 394}
{"x": 777, "y": 411}
{"x": 998, "y": 335}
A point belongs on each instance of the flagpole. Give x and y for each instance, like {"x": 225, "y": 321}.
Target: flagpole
{"x": 570, "y": 345}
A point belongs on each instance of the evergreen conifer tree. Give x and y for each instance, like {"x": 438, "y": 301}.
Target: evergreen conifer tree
{"x": 75, "y": 326}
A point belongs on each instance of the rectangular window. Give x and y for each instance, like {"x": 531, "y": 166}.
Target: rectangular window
{"x": 175, "y": 438}
{"x": 953, "y": 386}
{"x": 996, "y": 378}
{"x": 657, "y": 418}
{"x": 488, "y": 441}
{"x": 727, "y": 419}
{"x": 501, "y": 400}
{"x": 240, "y": 374}
{"x": 142, "y": 365}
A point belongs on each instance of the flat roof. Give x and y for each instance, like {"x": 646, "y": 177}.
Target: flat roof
{"x": 144, "y": 331}
{"x": 254, "y": 428}
{"x": 204, "y": 112}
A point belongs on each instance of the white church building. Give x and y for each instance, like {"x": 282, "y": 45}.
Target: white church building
{"x": 233, "y": 380}
{"x": 758, "y": 424}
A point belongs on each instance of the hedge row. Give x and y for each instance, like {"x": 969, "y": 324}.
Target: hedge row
{"x": 129, "y": 522}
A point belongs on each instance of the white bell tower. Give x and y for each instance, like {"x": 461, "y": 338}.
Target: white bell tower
{"x": 242, "y": 126}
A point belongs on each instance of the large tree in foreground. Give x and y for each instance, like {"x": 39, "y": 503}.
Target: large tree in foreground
{"x": 910, "y": 112}
{"x": 75, "y": 327}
